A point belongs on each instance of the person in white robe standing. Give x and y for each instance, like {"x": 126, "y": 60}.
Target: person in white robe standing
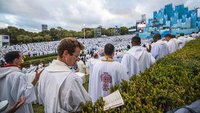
{"x": 14, "y": 84}
{"x": 81, "y": 66}
{"x": 177, "y": 41}
{"x": 137, "y": 59}
{"x": 106, "y": 73}
{"x": 159, "y": 48}
{"x": 90, "y": 64}
{"x": 60, "y": 90}
{"x": 172, "y": 43}
{"x": 183, "y": 40}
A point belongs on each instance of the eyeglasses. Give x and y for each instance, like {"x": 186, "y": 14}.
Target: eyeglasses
{"x": 77, "y": 56}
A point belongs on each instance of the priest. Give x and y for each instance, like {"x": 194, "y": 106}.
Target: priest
{"x": 60, "y": 90}
{"x": 137, "y": 59}
{"x": 106, "y": 73}
{"x": 14, "y": 84}
{"x": 159, "y": 48}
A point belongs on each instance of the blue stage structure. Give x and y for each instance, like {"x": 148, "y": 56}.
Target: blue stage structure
{"x": 172, "y": 20}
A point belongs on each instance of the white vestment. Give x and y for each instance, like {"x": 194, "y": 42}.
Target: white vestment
{"x": 189, "y": 38}
{"x": 183, "y": 41}
{"x": 173, "y": 45}
{"x": 178, "y": 42}
{"x": 90, "y": 64}
{"x": 13, "y": 86}
{"x": 60, "y": 90}
{"x": 159, "y": 49}
{"x": 105, "y": 74}
{"x": 136, "y": 60}
{"x": 81, "y": 66}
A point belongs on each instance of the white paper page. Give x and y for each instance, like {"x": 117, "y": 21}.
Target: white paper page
{"x": 113, "y": 100}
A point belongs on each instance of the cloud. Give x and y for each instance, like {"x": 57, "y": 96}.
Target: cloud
{"x": 72, "y": 14}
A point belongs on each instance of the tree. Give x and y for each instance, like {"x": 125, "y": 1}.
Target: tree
{"x": 80, "y": 34}
{"x": 103, "y": 31}
{"x": 47, "y": 38}
{"x": 53, "y": 34}
{"x": 124, "y": 30}
{"x": 89, "y": 33}
{"x": 110, "y": 32}
{"x": 24, "y": 39}
{"x": 38, "y": 38}
{"x": 43, "y": 33}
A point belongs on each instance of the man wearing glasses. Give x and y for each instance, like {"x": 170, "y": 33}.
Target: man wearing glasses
{"x": 60, "y": 89}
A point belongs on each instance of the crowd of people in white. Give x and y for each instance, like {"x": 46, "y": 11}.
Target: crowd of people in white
{"x": 108, "y": 61}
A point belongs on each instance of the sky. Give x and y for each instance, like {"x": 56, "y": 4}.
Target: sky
{"x": 76, "y": 14}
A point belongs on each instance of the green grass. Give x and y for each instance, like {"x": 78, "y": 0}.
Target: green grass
{"x": 38, "y": 108}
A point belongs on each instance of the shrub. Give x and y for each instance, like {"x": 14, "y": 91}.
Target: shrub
{"x": 36, "y": 61}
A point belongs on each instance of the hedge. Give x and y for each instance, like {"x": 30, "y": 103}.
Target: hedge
{"x": 36, "y": 61}
{"x": 41, "y": 56}
{"x": 171, "y": 82}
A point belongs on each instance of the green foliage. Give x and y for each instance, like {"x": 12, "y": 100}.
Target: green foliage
{"x": 21, "y": 36}
{"x": 86, "y": 82}
{"x": 89, "y": 33}
{"x": 110, "y": 32}
{"x": 123, "y": 30}
{"x": 41, "y": 56}
{"x": 24, "y": 38}
{"x": 38, "y": 108}
{"x": 38, "y": 38}
{"x": 171, "y": 82}
{"x": 47, "y": 38}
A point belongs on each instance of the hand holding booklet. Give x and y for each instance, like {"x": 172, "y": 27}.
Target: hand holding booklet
{"x": 113, "y": 100}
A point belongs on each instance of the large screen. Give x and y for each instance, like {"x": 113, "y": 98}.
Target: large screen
{"x": 141, "y": 25}
{"x": 4, "y": 38}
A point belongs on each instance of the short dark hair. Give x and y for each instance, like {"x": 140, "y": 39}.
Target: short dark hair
{"x": 109, "y": 49}
{"x": 11, "y": 56}
{"x": 182, "y": 34}
{"x": 136, "y": 39}
{"x": 168, "y": 35}
{"x": 173, "y": 36}
{"x": 95, "y": 55}
{"x": 157, "y": 36}
{"x": 69, "y": 44}
{"x": 128, "y": 46}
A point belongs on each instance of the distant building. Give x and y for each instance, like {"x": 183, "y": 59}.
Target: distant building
{"x": 44, "y": 27}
